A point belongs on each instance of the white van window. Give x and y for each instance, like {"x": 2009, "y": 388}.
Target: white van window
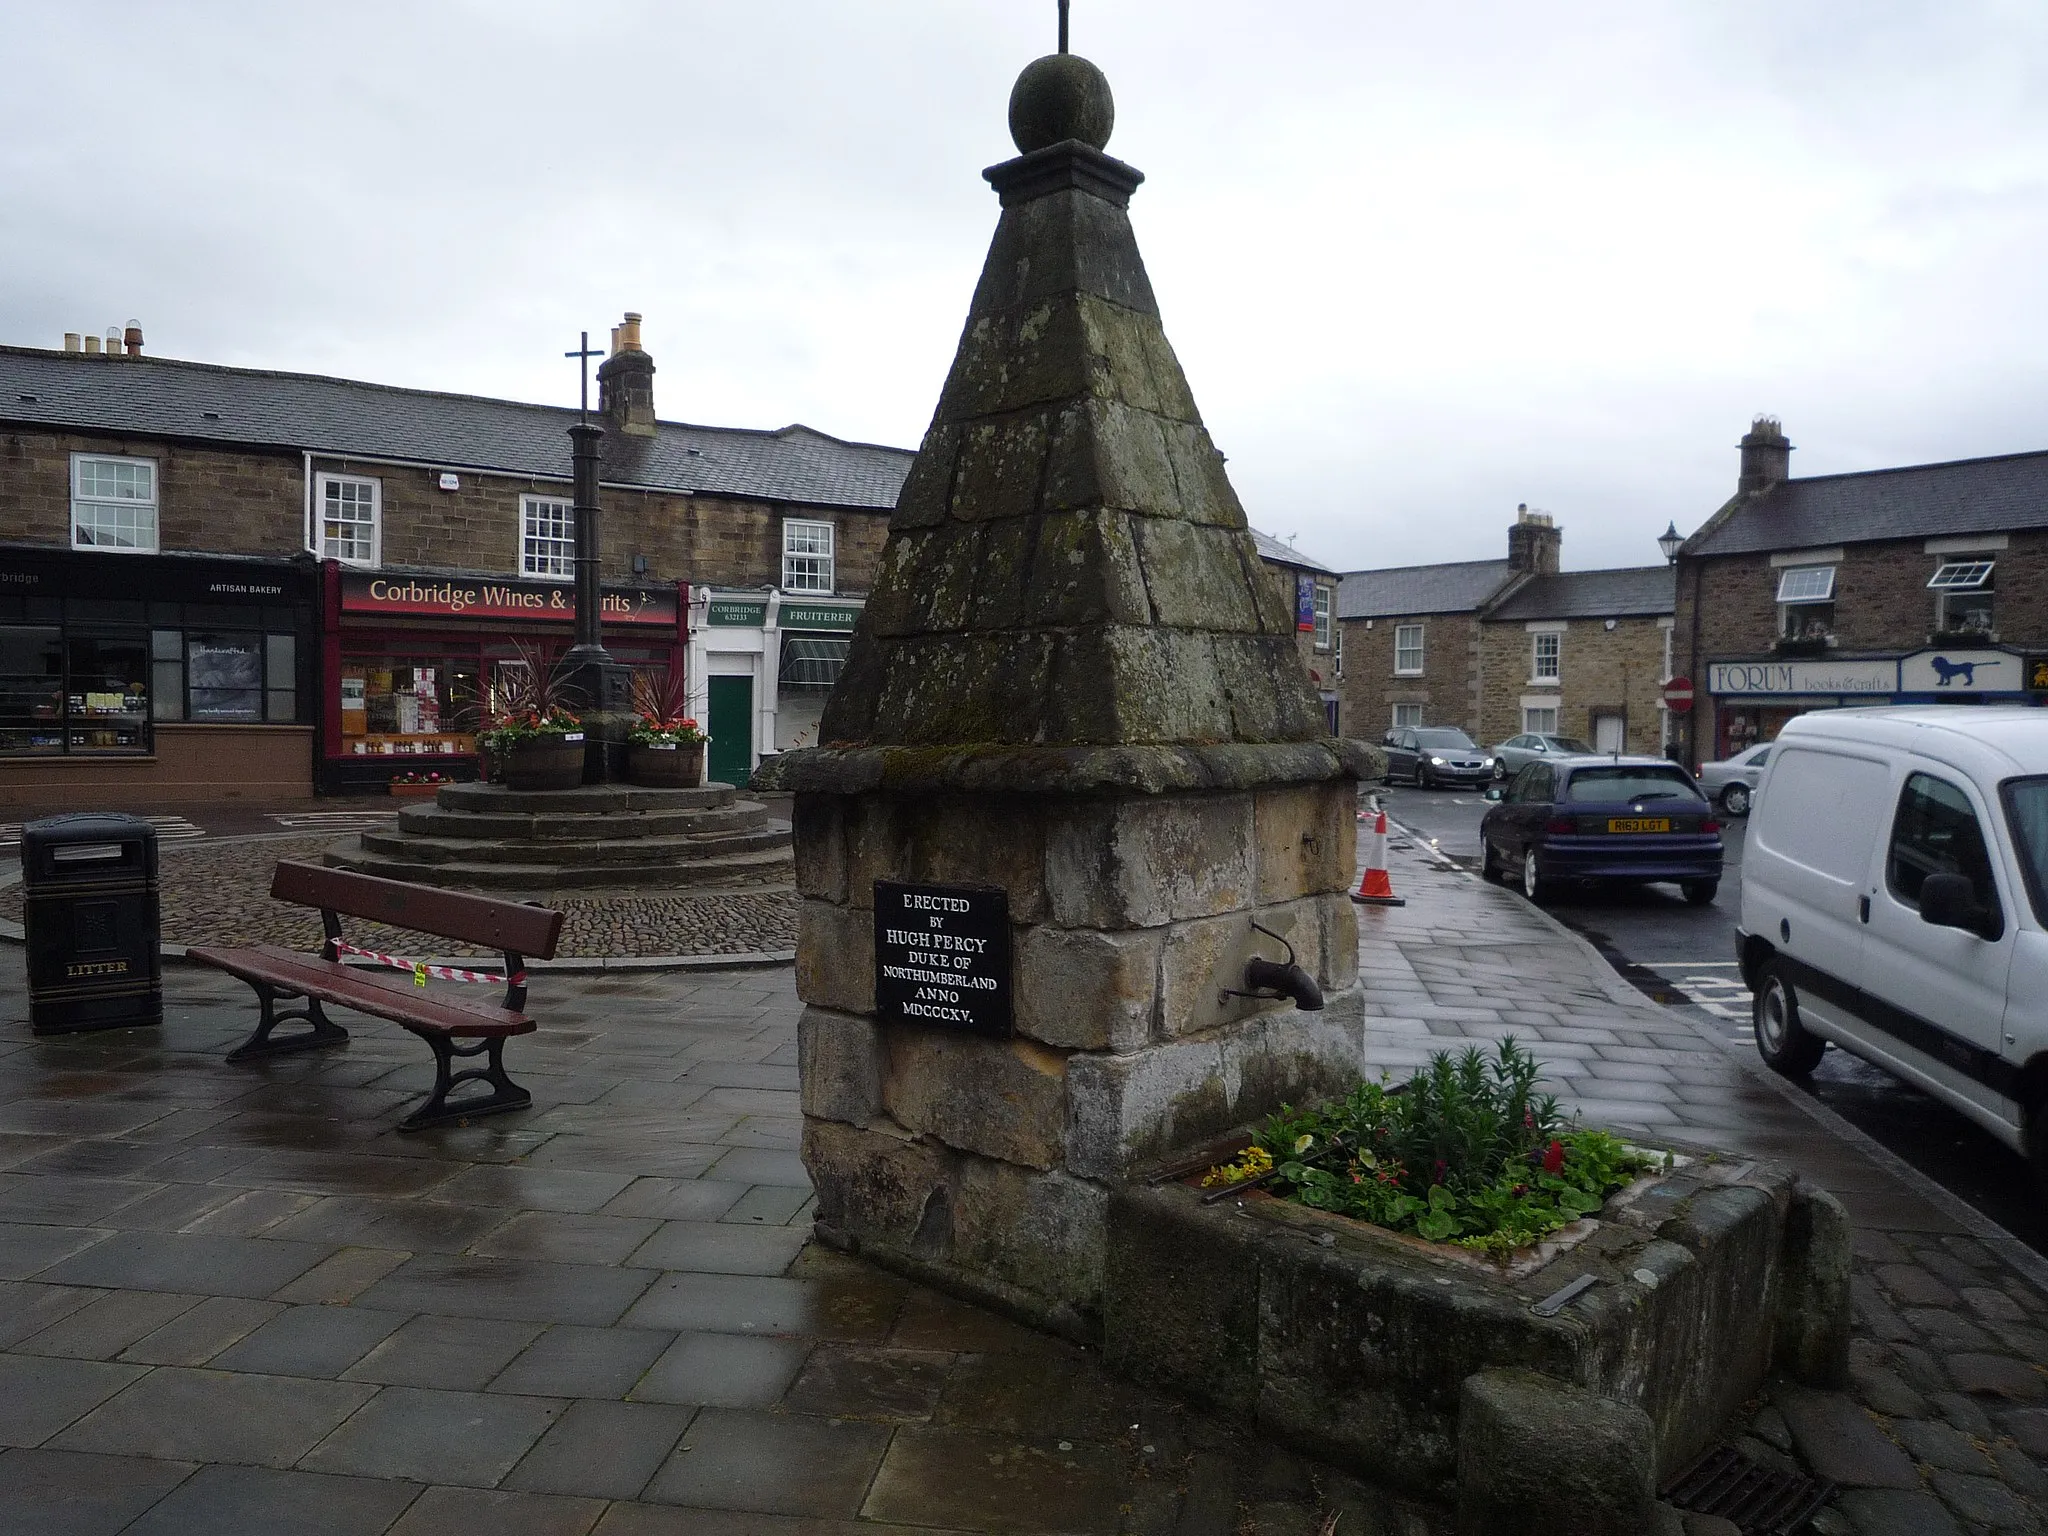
{"x": 2026, "y": 813}
{"x": 1822, "y": 810}
{"x": 1936, "y": 833}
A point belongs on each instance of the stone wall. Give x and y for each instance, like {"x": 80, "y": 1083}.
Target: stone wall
{"x": 1447, "y": 690}
{"x": 944, "y": 1153}
{"x": 1601, "y": 671}
{"x": 249, "y": 501}
{"x": 234, "y": 502}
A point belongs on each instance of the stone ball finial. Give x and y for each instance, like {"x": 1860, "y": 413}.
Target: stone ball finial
{"x": 1061, "y": 96}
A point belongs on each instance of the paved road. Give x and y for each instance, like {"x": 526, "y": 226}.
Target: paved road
{"x": 1685, "y": 955}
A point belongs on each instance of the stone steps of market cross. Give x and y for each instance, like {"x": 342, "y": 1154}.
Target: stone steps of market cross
{"x": 769, "y": 868}
{"x": 766, "y": 836}
{"x": 548, "y": 826}
{"x": 585, "y": 798}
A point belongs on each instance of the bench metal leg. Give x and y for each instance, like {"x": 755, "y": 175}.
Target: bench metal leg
{"x": 505, "y": 1093}
{"x": 323, "y": 1030}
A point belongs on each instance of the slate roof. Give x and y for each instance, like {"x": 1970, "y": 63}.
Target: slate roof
{"x": 1919, "y": 501}
{"x": 1272, "y": 549}
{"x": 1460, "y": 587}
{"x": 247, "y": 407}
{"x": 1629, "y": 591}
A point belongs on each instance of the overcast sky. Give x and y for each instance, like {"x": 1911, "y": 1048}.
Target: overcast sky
{"x": 1420, "y": 262}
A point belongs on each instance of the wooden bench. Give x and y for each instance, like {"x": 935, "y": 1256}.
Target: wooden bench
{"x": 516, "y": 929}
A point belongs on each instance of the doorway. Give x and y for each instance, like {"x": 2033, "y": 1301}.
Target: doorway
{"x": 730, "y": 701}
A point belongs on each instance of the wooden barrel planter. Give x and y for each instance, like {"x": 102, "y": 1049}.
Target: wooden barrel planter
{"x": 543, "y": 762}
{"x": 678, "y": 765}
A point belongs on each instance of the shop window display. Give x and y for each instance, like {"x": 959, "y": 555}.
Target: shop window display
{"x": 406, "y": 705}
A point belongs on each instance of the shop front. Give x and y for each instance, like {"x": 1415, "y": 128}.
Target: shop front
{"x": 415, "y": 662}
{"x": 138, "y": 681}
{"x": 760, "y": 666}
{"x": 1752, "y": 700}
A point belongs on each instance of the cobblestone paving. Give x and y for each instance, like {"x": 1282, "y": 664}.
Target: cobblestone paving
{"x": 219, "y": 893}
{"x": 1946, "y": 1425}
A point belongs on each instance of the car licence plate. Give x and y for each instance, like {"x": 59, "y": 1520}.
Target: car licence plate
{"x": 1639, "y": 824}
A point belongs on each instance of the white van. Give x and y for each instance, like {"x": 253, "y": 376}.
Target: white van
{"x": 1895, "y": 901}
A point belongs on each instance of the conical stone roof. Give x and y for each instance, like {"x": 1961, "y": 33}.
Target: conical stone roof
{"x": 1068, "y": 570}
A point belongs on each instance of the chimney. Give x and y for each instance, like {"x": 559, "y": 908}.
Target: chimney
{"x": 1534, "y": 542}
{"x": 132, "y": 338}
{"x": 625, "y": 382}
{"x": 1766, "y": 457}
{"x": 92, "y": 345}
{"x": 72, "y": 343}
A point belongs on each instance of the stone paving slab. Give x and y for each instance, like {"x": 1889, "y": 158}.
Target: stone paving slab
{"x": 233, "y": 1299}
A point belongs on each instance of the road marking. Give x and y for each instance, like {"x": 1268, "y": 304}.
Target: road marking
{"x": 169, "y": 829}
{"x": 1725, "y": 997}
{"x": 341, "y": 820}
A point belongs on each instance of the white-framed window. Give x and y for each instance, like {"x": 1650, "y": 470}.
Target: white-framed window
{"x": 1325, "y": 602}
{"x": 1546, "y": 657}
{"x": 1408, "y": 651}
{"x": 113, "y": 503}
{"x": 1337, "y": 645}
{"x": 1406, "y": 715}
{"x": 1806, "y": 602}
{"x": 1540, "y": 722}
{"x": 806, "y": 556}
{"x": 547, "y": 537}
{"x": 1963, "y": 594}
{"x": 351, "y": 524}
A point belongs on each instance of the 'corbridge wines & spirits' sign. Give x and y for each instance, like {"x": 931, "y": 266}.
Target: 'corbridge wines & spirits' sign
{"x": 942, "y": 956}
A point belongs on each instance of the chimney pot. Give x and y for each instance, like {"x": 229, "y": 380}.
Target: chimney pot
{"x": 92, "y": 346}
{"x": 132, "y": 338}
{"x": 1766, "y": 456}
{"x": 72, "y": 342}
{"x": 625, "y": 382}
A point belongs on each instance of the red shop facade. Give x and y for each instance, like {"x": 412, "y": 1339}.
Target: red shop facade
{"x": 411, "y": 659}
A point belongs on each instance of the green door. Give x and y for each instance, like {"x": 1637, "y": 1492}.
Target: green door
{"x": 731, "y": 756}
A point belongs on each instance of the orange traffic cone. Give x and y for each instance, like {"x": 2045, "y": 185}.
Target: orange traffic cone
{"x": 1374, "y": 888}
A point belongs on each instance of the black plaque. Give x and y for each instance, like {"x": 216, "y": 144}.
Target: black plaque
{"x": 942, "y": 956}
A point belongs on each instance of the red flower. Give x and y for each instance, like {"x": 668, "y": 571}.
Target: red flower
{"x": 1553, "y": 1157}
{"x": 1528, "y": 1119}
{"x": 1438, "y": 1177}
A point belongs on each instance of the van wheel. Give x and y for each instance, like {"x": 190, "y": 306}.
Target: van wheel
{"x": 1781, "y": 1039}
{"x": 1699, "y": 893}
{"x": 1735, "y": 799}
{"x": 2037, "y": 1145}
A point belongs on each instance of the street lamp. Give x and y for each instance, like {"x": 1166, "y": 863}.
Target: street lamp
{"x": 1669, "y": 540}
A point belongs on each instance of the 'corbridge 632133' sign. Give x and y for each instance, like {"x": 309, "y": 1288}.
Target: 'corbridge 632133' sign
{"x": 942, "y": 956}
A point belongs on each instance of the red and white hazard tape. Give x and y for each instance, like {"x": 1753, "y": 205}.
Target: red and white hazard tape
{"x": 421, "y": 970}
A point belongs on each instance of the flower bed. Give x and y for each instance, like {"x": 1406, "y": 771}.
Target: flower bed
{"x": 1466, "y": 1152}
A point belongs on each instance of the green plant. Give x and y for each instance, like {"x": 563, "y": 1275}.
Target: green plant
{"x": 661, "y": 717}
{"x": 530, "y": 698}
{"x": 1466, "y": 1151}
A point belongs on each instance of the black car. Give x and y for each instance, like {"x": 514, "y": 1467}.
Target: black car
{"x": 1433, "y": 755}
{"x": 1605, "y": 819}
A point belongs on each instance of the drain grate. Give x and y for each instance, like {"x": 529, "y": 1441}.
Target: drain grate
{"x": 1724, "y": 1482}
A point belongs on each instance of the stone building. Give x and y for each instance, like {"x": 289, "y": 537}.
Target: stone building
{"x": 1923, "y": 584}
{"x": 1310, "y": 588}
{"x": 1500, "y": 647}
{"x": 310, "y": 578}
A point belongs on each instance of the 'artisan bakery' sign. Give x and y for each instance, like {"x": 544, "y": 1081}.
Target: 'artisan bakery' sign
{"x": 942, "y": 956}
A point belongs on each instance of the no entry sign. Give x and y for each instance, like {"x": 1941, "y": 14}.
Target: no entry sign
{"x": 1678, "y": 695}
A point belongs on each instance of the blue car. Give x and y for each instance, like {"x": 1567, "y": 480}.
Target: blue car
{"x": 1609, "y": 819}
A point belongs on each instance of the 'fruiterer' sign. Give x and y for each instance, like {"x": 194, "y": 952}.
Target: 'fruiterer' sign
{"x": 1803, "y": 677}
{"x": 942, "y": 956}
{"x": 464, "y": 597}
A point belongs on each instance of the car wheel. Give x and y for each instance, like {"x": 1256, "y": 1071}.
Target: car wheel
{"x": 1534, "y": 886}
{"x": 1735, "y": 799}
{"x": 1488, "y": 869}
{"x": 1699, "y": 893}
{"x": 1500, "y": 771}
{"x": 1781, "y": 1039}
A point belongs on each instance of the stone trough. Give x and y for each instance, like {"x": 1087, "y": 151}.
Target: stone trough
{"x": 1368, "y": 1348}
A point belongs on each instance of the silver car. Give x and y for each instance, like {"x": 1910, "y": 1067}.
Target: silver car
{"x": 1512, "y": 755}
{"x": 1731, "y": 783}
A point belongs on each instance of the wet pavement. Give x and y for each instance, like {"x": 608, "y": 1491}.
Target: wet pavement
{"x": 235, "y": 1299}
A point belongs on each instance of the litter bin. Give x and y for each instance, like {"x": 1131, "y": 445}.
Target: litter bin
{"x": 89, "y": 893}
